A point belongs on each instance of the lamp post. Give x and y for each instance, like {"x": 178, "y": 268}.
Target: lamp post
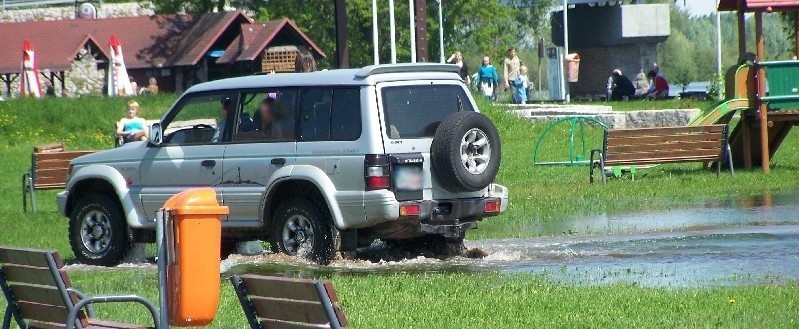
{"x": 441, "y": 31}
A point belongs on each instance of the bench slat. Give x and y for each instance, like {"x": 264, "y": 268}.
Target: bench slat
{"x": 59, "y": 155}
{"x": 275, "y": 324}
{"x": 31, "y": 275}
{"x": 60, "y": 163}
{"x": 49, "y": 181}
{"x": 659, "y": 161}
{"x": 51, "y": 173}
{"x": 702, "y": 145}
{"x": 27, "y": 257}
{"x": 277, "y": 287}
{"x": 662, "y": 155}
{"x": 39, "y": 295}
{"x": 289, "y": 310}
{"x": 665, "y": 131}
{"x": 663, "y": 139}
{"x": 52, "y": 147}
{"x": 43, "y": 313}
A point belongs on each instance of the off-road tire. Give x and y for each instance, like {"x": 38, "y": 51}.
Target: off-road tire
{"x": 445, "y": 152}
{"x": 119, "y": 244}
{"x": 322, "y": 251}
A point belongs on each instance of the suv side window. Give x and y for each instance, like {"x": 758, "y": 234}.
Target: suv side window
{"x": 330, "y": 114}
{"x": 267, "y": 116}
{"x": 201, "y": 119}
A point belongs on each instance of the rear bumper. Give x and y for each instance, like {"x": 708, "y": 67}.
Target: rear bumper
{"x": 448, "y": 217}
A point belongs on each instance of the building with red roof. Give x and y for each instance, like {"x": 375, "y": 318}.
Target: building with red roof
{"x": 177, "y": 50}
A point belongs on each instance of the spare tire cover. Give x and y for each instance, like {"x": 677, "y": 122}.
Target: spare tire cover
{"x": 466, "y": 152}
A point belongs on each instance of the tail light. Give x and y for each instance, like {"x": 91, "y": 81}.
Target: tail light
{"x": 410, "y": 210}
{"x": 377, "y": 174}
{"x": 492, "y": 206}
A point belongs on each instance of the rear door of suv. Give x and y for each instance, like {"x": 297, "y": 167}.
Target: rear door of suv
{"x": 263, "y": 141}
{"x": 410, "y": 114}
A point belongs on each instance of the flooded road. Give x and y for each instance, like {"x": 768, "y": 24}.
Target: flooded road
{"x": 731, "y": 241}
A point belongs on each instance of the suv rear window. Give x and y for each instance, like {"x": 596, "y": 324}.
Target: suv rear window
{"x": 416, "y": 111}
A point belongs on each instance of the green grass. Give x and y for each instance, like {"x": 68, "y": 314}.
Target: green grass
{"x": 498, "y": 301}
{"x": 438, "y": 300}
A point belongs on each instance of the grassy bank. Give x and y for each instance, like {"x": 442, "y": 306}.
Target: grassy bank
{"x": 498, "y": 301}
{"x": 641, "y": 105}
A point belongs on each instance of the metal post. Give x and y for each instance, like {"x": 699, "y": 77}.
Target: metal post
{"x": 796, "y": 33}
{"x": 161, "y": 261}
{"x": 375, "y": 46}
{"x": 393, "y": 28}
{"x": 413, "y": 31}
{"x": 564, "y": 87}
{"x": 342, "y": 52}
{"x": 761, "y": 92}
{"x": 441, "y": 31}
{"x": 741, "y": 28}
{"x": 718, "y": 40}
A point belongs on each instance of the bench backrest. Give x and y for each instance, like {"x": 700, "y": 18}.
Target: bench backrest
{"x": 664, "y": 145}
{"x": 37, "y": 287}
{"x": 50, "y": 163}
{"x": 276, "y": 302}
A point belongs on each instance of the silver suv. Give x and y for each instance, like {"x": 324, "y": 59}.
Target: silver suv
{"x": 315, "y": 163}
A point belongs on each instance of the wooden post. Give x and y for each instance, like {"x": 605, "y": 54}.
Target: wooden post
{"x": 741, "y": 28}
{"x": 342, "y": 52}
{"x": 796, "y": 33}
{"x": 761, "y": 92}
{"x": 421, "y": 30}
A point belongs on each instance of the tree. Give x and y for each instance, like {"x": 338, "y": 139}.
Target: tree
{"x": 676, "y": 58}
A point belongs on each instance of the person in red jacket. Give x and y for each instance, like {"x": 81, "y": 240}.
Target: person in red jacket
{"x": 661, "y": 89}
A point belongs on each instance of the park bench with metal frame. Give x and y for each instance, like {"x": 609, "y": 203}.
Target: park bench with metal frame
{"x": 276, "y": 302}
{"x": 652, "y": 146}
{"x": 49, "y": 168}
{"x": 38, "y": 290}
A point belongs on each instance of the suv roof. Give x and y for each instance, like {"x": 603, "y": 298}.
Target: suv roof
{"x": 368, "y": 75}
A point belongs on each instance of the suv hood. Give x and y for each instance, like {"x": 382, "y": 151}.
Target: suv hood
{"x": 128, "y": 152}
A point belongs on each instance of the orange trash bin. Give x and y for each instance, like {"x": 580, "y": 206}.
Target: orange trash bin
{"x": 195, "y": 228}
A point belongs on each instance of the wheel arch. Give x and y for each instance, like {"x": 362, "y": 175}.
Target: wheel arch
{"x": 304, "y": 181}
{"x": 105, "y": 180}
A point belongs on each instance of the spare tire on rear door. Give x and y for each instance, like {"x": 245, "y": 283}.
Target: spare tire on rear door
{"x": 466, "y": 152}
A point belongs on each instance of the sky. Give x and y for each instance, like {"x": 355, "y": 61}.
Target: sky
{"x": 698, "y": 7}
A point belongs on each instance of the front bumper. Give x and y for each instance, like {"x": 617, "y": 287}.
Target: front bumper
{"x": 61, "y": 200}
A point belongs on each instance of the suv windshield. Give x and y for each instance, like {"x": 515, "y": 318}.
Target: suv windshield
{"x": 416, "y": 111}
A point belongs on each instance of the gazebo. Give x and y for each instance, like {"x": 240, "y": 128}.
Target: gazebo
{"x": 776, "y": 100}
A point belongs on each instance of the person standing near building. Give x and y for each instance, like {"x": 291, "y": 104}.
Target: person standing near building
{"x": 457, "y": 59}
{"x": 510, "y": 69}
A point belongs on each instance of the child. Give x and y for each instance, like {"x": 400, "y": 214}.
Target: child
{"x": 487, "y": 79}
{"x": 522, "y": 83}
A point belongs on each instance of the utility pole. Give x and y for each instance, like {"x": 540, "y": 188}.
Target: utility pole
{"x": 393, "y": 28}
{"x": 342, "y": 52}
{"x": 564, "y": 85}
{"x": 375, "y": 45}
{"x": 441, "y": 30}
{"x": 413, "y": 31}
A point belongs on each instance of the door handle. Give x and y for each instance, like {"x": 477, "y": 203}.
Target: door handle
{"x": 279, "y": 161}
{"x": 208, "y": 163}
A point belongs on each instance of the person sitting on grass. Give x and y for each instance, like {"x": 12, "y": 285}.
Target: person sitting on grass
{"x": 622, "y": 86}
{"x": 661, "y": 86}
{"x": 131, "y": 127}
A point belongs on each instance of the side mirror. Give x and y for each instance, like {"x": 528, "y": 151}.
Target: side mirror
{"x": 156, "y": 134}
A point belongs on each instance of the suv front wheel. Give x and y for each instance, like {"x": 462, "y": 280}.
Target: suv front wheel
{"x": 299, "y": 228}
{"x": 97, "y": 231}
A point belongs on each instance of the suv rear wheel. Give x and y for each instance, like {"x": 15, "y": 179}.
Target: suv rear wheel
{"x": 299, "y": 228}
{"x": 97, "y": 231}
{"x": 466, "y": 152}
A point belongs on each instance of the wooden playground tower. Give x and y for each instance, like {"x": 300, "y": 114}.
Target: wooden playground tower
{"x": 773, "y": 125}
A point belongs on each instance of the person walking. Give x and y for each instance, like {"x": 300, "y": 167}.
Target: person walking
{"x": 487, "y": 79}
{"x": 457, "y": 59}
{"x": 521, "y": 83}
{"x": 510, "y": 69}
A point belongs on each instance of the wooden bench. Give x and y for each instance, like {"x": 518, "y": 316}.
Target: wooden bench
{"x": 49, "y": 168}
{"x": 40, "y": 294}
{"x": 288, "y": 303}
{"x": 650, "y": 146}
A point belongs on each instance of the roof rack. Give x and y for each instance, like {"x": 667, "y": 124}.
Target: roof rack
{"x": 406, "y": 68}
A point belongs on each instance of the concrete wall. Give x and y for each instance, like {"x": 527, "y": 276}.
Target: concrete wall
{"x": 604, "y": 26}
{"x": 109, "y": 10}
{"x": 596, "y": 65}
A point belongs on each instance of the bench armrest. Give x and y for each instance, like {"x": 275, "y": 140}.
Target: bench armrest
{"x": 81, "y": 296}
{"x": 73, "y": 315}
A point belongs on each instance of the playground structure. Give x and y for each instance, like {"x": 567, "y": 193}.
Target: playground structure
{"x": 577, "y": 126}
{"x": 765, "y": 94}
